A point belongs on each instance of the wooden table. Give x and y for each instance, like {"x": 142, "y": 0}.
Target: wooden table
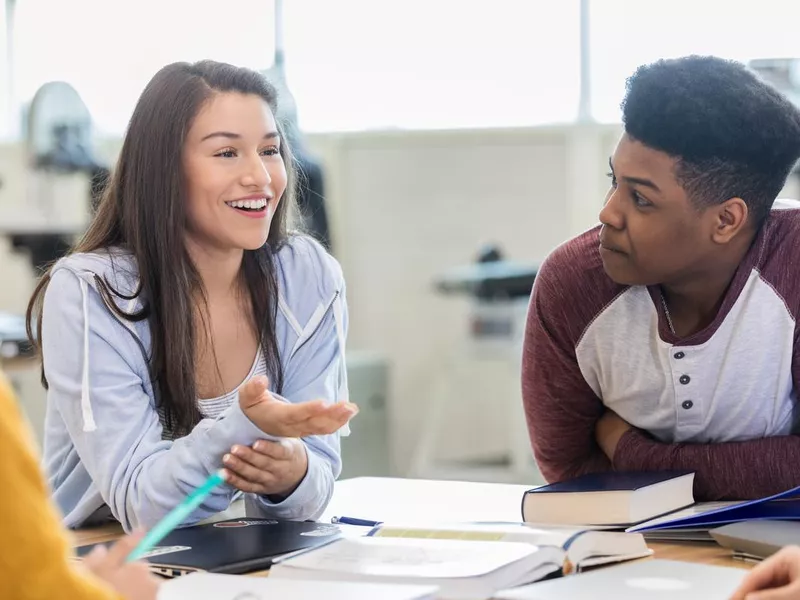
{"x": 707, "y": 554}
{"x": 413, "y": 499}
{"x": 96, "y": 535}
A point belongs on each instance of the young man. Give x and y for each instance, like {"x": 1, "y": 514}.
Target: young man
{"x": 665, "y": 337}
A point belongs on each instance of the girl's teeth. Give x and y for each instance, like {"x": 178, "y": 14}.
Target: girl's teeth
{"x": 248, "y": 204}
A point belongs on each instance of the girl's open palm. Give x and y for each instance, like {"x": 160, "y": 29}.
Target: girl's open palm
{"x": 285, "y": 419}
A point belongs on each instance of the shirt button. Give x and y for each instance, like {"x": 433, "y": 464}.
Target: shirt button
{"x": 685, "y": 379}
{"x": 679, "y": 355}
{"x": 687, "y": 404}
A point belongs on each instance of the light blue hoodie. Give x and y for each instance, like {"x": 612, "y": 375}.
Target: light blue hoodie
{"x": 103, "y": 447}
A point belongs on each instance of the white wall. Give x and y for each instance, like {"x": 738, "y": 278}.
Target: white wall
{"x": 408, "y": 206}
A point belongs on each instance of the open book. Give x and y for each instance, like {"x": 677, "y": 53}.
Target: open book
{"x": 582, "y": 548}
{"x": 462, "y": 570}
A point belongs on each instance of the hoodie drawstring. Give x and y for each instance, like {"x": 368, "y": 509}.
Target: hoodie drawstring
{"x": 86, "y": 405}
{"x": 343, "y": 393}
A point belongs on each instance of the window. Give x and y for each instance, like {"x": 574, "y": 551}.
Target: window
{"x": 629, "y": 33}
{"x": 361, "y": 64}
{"x": 6, "y": 113}
{"x": 109, "y": 50}
{"x": 351, "y": 64}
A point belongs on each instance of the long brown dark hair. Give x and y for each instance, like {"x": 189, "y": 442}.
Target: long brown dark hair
{"x": 143, "y": 210}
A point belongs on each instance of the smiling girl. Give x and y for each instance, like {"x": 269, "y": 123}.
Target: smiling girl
{"x": 190, "y": 328}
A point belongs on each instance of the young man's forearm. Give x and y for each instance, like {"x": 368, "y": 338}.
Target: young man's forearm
{"x": 725, "y": 471}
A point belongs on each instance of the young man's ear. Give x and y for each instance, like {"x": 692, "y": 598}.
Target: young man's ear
{"x": 730, "y": 218}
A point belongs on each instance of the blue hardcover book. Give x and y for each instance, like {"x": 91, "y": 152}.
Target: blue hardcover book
{"x": 609, "y": 499}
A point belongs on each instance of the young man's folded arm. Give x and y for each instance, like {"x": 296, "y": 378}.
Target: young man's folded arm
{"x": 724, "y": 471}
{"x": 560, "y": 408}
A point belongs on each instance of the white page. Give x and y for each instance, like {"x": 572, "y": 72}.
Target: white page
{"x": 202, "y": 586}
{"x": 399, "y": 557}
{"x": 507, "y": 532}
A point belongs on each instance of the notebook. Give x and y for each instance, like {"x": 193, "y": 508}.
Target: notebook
{"x": 642, "y": 579}
{"x": 782, "y": 506}
{"x": 582, "y": 548}
{"x": 609, "y": 499}
{"x": 207, "y": 586}
{"x": 462, "y": 570}
{"x": 757, "y": 539}
{"x": 232, "y": 546}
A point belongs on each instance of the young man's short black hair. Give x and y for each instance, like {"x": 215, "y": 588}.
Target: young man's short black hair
{"x": 733, "y": 134}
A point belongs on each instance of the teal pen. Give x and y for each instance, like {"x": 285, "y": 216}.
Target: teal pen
{"x": 176, "y": 516}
